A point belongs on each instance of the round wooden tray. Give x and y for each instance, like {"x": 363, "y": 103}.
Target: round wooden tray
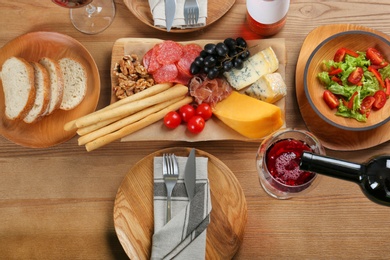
{"x": 133, "y": 209}
{"x": 216, "y": 9}
{"x": 50, "y": 130}
{"x": 330, "y": 136}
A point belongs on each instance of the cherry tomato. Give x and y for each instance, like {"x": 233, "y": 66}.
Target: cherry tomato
{"x": 196, "y": 124}
{"x": 380, "y": 99}
{"x": 340, "y": 54}
{"x": 356, "y": 76}
{"x": 172, "y": 119}
{"x": 375, "y": 57}
{"x": 204, "y": 110}
{"x": 330, "y": 99}
{"x": 186, "y": 112}
{"x": 366, "y": 105}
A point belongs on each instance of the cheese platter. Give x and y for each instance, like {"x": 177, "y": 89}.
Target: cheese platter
{"x": 215, "y": 129}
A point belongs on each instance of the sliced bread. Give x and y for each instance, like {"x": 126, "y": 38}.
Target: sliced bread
{"x": 56, "y": 83}
{"x": 42, "y": 93}
{"x": 17, "y": 77}
{"x": 75, "y": 83}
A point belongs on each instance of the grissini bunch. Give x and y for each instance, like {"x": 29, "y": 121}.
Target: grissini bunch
{"x": 128, "y": 115}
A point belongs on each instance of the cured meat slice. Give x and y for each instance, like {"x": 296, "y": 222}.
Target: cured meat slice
{"x": 192, "y": 47}
{"x": 185, "y": 62}
{"x": 146, "y": 58}
{"x": 166, "y": 73}
{"x": 153, "y": 62}
{"x": 209, "y": 91}
{"x": 169, "y": 53}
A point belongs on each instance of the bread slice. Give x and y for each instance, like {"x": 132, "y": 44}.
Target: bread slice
{"x": 42, "y": 93}
{"x": 56, "y": 83}
{"x": 17, "y": 77}
{"x": 75, "y": 83}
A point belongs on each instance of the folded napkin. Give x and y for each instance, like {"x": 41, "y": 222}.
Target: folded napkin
{"x": 184, "y": 236}
{"x": 157, "y": 7}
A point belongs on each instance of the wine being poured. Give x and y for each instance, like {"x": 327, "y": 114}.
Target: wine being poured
{"x": 372, "y": 177}
{"x": 90, "y": 16}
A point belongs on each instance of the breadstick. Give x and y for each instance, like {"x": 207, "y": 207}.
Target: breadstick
{"x": 88, "y": 129}
{"x": 101, "y": 141}
{"x": 133, "y": 107}
{"x": 125, "y": 121}
{"x": 153, "y": 90}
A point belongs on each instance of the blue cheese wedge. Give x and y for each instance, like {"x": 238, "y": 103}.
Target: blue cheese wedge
{"x": 269, "y": 88}
{"x": 263, "y": 62}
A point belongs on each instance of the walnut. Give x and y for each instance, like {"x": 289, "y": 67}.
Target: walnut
{"x": 132, "y": 76}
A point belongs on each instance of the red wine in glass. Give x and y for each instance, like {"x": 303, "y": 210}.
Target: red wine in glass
{"x": 89, "y": 16}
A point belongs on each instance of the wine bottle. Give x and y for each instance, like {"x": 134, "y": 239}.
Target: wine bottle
{"x": 373, "y": 177}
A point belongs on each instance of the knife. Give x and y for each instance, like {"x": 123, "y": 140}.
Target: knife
{"x": 190, "y": 174}
{"x": 170, "y": 9}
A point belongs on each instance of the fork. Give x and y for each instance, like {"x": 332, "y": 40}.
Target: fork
{"x": 170, "y": 174}
{"x": 191, "y": 12}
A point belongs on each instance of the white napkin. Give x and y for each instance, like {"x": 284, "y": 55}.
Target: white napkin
{"x": 184, "y": 236}
{"x": 157, "y": 7}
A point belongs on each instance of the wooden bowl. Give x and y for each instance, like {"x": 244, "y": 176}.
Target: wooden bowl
{"x": 355, "y": 40}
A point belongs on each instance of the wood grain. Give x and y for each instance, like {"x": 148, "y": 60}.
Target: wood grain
{"x": 216, "y": 9}
{"x": 48, "y": 131}
{"x": 133, "y": 210}
{"x": 331, "y": 136}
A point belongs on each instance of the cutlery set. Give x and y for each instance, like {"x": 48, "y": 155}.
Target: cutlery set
{"x": 171, "y": 175}
{"x": 191, "y": 12}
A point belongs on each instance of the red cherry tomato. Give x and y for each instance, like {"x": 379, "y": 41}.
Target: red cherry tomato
{"x": 172, "y": 120}
{"x": 380, "y": 99}
{"x": 204, "y": 110}
{"x": 356, "y": 76}
{"x": 340, "y": 54}
{"x": 330, "y": 99}
{"x": 365, "y": 107}
{"x": 196, "y": 124}
{"x": 186, "y": 112}
{"x": 376, "y": 57}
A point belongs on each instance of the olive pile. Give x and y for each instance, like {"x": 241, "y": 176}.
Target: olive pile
{"x": 215, "y": 59}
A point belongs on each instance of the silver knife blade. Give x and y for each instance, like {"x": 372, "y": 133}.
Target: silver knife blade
{"x": 170, "y": 9}
{"x": 190, "y": 174}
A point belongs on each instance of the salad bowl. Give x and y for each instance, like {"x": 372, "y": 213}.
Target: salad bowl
{"x": 357, "y": 41}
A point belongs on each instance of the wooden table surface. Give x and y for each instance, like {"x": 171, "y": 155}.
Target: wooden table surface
{"x": 57, "y": 203}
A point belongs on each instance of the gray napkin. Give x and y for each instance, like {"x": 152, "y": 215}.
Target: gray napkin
{"x": 184, "y": 236}
{"x": 157, "y": 7}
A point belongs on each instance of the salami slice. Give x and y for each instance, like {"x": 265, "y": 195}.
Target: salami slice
{"x": 185, "y": 62}
{"x": 170, "y": 52}
{"x": 153, "y": 62}
{"x": 146, "y": 58}
{"x": 192, "y": 47}
{"x": 166, "y": 73}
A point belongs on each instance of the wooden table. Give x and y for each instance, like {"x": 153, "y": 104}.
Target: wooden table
{"x": 57, "y": 203}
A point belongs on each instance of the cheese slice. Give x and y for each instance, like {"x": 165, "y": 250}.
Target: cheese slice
{"x": 269, "y": 88}
{"x": 257, "y": 65}
{"x": 248, "y": 116}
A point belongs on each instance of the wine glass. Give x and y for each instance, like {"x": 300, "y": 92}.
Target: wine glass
{"x": 90, "y": 16}
{"x": 278, "y": 160}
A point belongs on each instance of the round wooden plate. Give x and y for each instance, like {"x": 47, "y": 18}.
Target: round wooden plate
{"x": 216, "y": 9}
{"x": 50, "y": 130}
{"x": 330, "y": 136}
{"x": 133, "y": 209}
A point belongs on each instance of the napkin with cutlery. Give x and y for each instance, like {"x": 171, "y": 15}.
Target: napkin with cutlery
{"x": 184, "y": 236}
{"x": 157, "y": 7}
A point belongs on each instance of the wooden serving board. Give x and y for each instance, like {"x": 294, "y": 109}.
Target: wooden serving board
{"x": 133, "y": 209}
{"x": 214, "y": 129}
{"x": 216, "y": 9}
{"x": 330, "y": 136}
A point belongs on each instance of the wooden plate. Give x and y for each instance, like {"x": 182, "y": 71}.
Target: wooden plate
{"x": 216, "y": 9}
{"x": 215, "y": 129}
{"x": 48, "y": 131}
{"x": 133, "y": 209}
{"x": 331, "y": 136}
